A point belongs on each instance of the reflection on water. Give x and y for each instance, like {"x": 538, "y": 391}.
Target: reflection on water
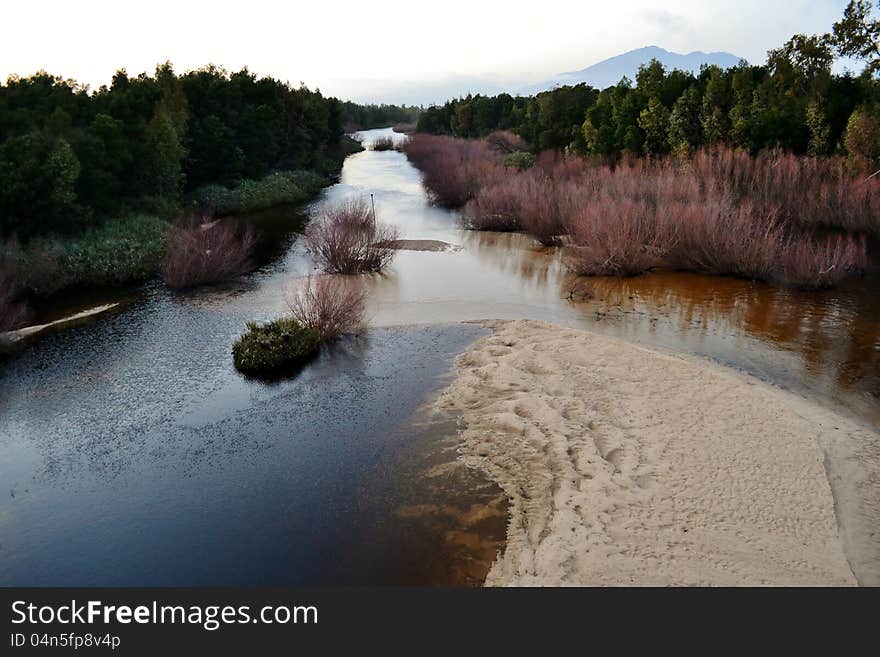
{"x": 823, "y": 344}
{"x": 132, "y": 453}
{"x": 153, "y": 384}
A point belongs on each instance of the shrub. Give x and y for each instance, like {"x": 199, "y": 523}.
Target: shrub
{"x": 495, "y": 207}
{"x": 617, "y": 238}
{"x": 328, "y": 305}
{"x": 719, "y": 238}
{"x": 404, "y": 128}
{"x": 383, "y": 144}
{"x": 454, "y": 169}
{"x": 521, "y": 160}
{"x": 117, "y": 252}
{"x": 346, "y": 239}
{"x": 201, "y": 253}
{"x": 807, "y": 192}
{"x": 812, "y": 263}
{"x": 274, "y": 346}
{"x": 14, "y": 312}
{"x": 505, "y": 141}
{"x": 250, "y": 195}
{"x": 720, "y": 210}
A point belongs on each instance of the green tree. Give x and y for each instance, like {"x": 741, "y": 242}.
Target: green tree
{"x": 650, "y": 78}
{"x": 805, "y": 61}
{"x": 862, "y": 138}
{"x": 654, "y": 120}
{"x": 715, "y": 107}
{"x": 857, "y": 35}
{"x": 685, "y": 126}
{"x": 820, "y": 131}
{"x": 38, "y": 177}
{"x": 165, "y": 155}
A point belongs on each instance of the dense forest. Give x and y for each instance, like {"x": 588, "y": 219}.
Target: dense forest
{"x": 364, "y": 117}
{"x": 794, "y": 102}
{"x": 69, "y": 158}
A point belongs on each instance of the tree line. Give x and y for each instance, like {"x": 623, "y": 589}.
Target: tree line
{"x": 794, "y": 102}
{"x": 70, "y": 157}
{"x": 364, "y": 117}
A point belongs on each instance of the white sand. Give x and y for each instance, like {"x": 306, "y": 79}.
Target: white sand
{"x": 424, "y": 245}
{"x": 18, "y": 334}
{"x": 628, "y": 466}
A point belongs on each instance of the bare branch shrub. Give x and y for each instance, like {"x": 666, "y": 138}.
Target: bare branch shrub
{"x": 329, "y": 305}
{"x": 505, "y": 141}
{"x": 14, "y": 312}
{"x": 617, "y": 238}
{"x": 812, "y": 263}
{"x": 721, "y": 210}
{"x": 383, "y": 144}
{"x": 346, "y": 238}
{"x": 210, "y": 252}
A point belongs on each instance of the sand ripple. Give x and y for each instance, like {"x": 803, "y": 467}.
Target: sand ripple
{"x": 628, "y": 466}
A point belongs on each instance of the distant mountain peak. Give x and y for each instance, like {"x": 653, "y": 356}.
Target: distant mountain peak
{"x": 610, "y": 71}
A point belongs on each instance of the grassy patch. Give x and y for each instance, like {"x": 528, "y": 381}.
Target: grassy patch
{"x": 119, "y": 251}
{"x": 521, "y": 160}
{"x": 275, "y": 189}
{"x": 275, "y": 346}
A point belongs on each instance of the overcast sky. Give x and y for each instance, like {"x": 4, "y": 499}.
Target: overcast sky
{"x": 381, "y": 48}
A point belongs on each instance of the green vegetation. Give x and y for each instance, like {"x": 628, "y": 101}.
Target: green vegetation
{"x": 115, "y": 252}
{"x": 794, "y": 102}
{"x": 274, "y": 346}
{"x": 70, "y": 159}
{"x": 521, "y": 160}
{"x": 91, "y": 181}
{"x": 364, "y": 117}
{"x": 250, "y": 195}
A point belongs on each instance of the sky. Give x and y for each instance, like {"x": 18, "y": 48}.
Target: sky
{"x": 387, "y": 50}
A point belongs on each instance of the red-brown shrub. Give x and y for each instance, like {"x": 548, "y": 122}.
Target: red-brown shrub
{"x": 807, "y": 192}
{"x": 617, "y": 238}
{"x": 346, "y": 239}
{"x": 454, "y": 169}
{"x": 495, "y": 207}
{"x": 721, "y": 211}
{"x": 812, "y": 263}
{"x": 505, "y": 141}
{"x": 14, "y": 312}
{"x": 383, "y": 144}
{"x": 329, "y": 305}
{"x": 201, "y": 252}
{"x": 719, "y": 238}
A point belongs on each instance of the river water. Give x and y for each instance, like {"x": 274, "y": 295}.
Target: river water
{"x": 134, "y": 453}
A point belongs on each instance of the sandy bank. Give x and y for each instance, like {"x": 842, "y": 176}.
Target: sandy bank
{"x": 424, "y": 245}
{"x": 629, "y": 466}
{"x": 18, "y": 334}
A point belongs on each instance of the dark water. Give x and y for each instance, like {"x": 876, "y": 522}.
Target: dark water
{"x": 134, "y": 429}
{"x": 132, "y": 453}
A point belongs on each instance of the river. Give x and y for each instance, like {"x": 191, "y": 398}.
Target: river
{"x": 133, "y": 453}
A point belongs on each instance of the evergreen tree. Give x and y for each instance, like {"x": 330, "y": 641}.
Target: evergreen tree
{"x": 654, "y": 120}
{"x": 685, "y": 126}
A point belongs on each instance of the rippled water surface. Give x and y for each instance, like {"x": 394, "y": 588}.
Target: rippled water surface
{"x": 133, "y": 452}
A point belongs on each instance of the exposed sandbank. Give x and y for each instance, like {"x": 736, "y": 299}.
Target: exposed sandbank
{"x": 18, "y": 334}
{"x": 629, "y": 466}
{"x": 424, "y": 245}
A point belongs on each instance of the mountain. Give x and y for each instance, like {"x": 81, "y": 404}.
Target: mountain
{"x": 610, "y": 71}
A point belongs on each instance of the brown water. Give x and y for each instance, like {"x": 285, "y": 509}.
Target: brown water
{"x": 824, "y": 346}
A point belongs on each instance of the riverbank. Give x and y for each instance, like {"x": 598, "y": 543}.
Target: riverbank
{"x": 129, "y": 250}
{"x": 629, "y": 466}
